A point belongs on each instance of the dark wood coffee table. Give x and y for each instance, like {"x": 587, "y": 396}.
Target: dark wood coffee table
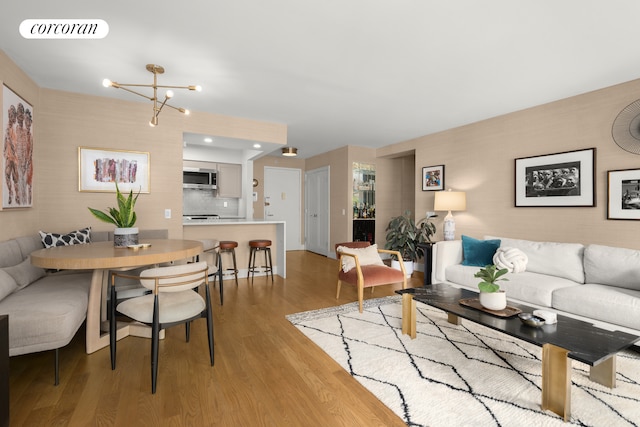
{"x": 568, "y": 339}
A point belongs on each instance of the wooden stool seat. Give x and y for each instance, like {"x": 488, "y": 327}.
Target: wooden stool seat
{"x": 228, "y": 244}
{"x": 259, "y": 243}
{"x": 254, "y": 247}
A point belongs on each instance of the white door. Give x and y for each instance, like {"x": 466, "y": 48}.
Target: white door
{"x": 282, "y": 200}
{"x": 317, "y": 211}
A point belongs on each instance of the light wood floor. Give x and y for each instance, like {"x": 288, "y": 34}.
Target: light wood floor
{"x": 266, "y": 372}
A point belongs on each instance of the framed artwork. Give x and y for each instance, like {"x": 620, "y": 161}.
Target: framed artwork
{"x": 623, "y": 195}
{"x": 433, "y": 178}
{"x": 17, "y": 157}
{"x": 100, "y": 169}
{"x": 556, "y": 180}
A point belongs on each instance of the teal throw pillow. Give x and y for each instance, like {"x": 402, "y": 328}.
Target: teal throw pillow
{"x": 478, "y": 253}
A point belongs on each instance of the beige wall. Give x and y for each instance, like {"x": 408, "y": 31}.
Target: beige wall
{"x": 64, "y": 121}
{"x": 479, "y": 159}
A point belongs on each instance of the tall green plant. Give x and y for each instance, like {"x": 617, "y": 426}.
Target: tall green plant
{"x": 404, "y": 235}
{"x": 489, "y": 276}
{"x": 124, "y": 216}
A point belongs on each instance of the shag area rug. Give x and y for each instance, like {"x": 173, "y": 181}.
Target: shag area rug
{"x": 466, "y": 375}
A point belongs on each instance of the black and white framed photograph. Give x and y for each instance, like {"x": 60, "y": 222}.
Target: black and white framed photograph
{"x": 623, "y": 194}
{"x": 556, "y": 180}
{"x": 433, "y": 178}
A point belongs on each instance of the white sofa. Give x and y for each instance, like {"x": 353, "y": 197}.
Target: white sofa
{"x": 595, "y": 283}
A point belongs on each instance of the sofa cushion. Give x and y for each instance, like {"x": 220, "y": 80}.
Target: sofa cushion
{"x": 528, "y": 287}
{"x": 76, "y": 237}
{"x": 366, "y": 256}
{"x": 48, "y": 313}
{"x": 620, "y": 306}
{"x": 556, "y": 259}
{"x": 606, "y": 265}
{"x": 10, "y": 253}
{"x": 25, "y": 273}
{"x": 478, "y": 253}
{"x": 7, "y": 284}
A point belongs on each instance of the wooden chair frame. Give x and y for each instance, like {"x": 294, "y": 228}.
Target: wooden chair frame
{"x": 360, "y": 275}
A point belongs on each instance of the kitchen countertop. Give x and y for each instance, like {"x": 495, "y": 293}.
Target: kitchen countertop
{"x": 233, "y": 221}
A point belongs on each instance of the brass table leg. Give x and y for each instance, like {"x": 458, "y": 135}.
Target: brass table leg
{"x": 605, "y": 372}
{"x": 452, "y": 318}
{"x": 408, "y": 315}
{"x": 556, "y": 380}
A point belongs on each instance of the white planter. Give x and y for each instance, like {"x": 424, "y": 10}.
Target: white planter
{"x": 408, "y": 267}
{"x": 123, "y": 237}
{"x": 493, "y": 300}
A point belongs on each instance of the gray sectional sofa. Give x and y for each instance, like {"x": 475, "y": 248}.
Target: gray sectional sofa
{"x": 595, "y": 283}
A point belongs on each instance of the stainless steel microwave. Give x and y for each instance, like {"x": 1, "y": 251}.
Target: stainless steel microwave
{"x": 200, "y": 179}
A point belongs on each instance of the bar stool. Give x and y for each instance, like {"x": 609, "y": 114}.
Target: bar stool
{"x": 228, "y": 247}
{"x": 257, "y": 246}
{"x": 212, "y": 256}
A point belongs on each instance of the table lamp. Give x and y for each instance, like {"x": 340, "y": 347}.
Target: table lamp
{"x": 450, "y": 201}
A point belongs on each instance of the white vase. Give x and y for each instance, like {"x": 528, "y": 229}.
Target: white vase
{"x": 123, "y": 237}
{"x": 493, "y": 300}
{"x": 408, "y": 267}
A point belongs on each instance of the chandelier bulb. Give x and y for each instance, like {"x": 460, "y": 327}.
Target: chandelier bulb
{"x": 154, "y": 121}
{"x": 106, "y": 83}
{"x": 169, "y": 94}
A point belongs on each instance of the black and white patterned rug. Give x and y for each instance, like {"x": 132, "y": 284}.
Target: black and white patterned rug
{"x": 465, "y": 375}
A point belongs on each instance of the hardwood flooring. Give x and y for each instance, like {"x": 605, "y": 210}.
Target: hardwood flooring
{"x": 266, "y": 372}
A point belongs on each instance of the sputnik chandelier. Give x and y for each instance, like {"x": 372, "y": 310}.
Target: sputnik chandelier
{"x": 157, "y": 105}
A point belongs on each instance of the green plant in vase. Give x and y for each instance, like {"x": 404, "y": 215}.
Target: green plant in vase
{"x": 123, "y": 217}
{"x": 491, "y": 296}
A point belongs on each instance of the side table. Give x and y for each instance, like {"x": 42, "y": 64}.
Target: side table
{"x": 428, "y": 259}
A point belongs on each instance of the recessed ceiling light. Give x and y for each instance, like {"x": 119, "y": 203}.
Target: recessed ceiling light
{"x": 256, "y": 146}
{"x": 208, "y": 139}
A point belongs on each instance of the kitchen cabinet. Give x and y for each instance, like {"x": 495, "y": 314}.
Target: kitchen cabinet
{"x": 229, "y": 180}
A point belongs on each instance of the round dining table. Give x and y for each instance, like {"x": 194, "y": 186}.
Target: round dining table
{"x": 102, "y": 257}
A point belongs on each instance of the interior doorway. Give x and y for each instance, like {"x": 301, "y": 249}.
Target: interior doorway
{"x": 282, "y": 200}
{"x": 317, "y": 211}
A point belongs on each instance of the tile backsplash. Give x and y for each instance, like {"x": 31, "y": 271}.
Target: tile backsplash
{"x": 201, "y": 202}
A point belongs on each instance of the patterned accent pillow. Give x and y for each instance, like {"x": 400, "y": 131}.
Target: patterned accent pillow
{"x": 78, "y": 237}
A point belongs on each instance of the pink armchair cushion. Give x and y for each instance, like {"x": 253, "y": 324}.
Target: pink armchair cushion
{"x": 373, "y": 275}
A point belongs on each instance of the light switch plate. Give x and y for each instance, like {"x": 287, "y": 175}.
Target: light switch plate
{"x": 167, "y": 213}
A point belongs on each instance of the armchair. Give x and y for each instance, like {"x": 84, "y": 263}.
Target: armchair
{"x": 365, "y": 269}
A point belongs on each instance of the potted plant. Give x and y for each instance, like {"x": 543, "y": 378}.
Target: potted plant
{"x": 491, "y": 296}
{"x": 404, "y": 235}
{"x": 124, "y": 218}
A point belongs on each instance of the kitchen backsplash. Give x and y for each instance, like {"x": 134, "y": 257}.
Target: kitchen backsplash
{"x": 199, "y": 202}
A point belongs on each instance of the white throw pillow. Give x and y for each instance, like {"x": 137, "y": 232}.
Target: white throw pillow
{"x": 513, "y": 259}
{"x": 366, "y": 256}
{"x": 7, "y": 284}
{"x": 25, "y": 273}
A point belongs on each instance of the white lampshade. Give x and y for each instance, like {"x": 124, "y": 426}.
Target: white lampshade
{"x": 450, "y": 201}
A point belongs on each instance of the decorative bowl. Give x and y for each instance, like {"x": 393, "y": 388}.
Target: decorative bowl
{"x": 531, "y": 320}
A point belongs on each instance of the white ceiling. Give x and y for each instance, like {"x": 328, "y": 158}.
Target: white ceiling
{"x": 341, "y": 72}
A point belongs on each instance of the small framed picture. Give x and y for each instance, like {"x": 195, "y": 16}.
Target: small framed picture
{"x": 623, "y": 195}
{"x": 556, "y": 180}
{"x": 100, "y": 169}
{"x": 433, "y": 178}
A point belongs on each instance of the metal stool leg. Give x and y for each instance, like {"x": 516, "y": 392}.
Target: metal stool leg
{"x": 268, "y": 251}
